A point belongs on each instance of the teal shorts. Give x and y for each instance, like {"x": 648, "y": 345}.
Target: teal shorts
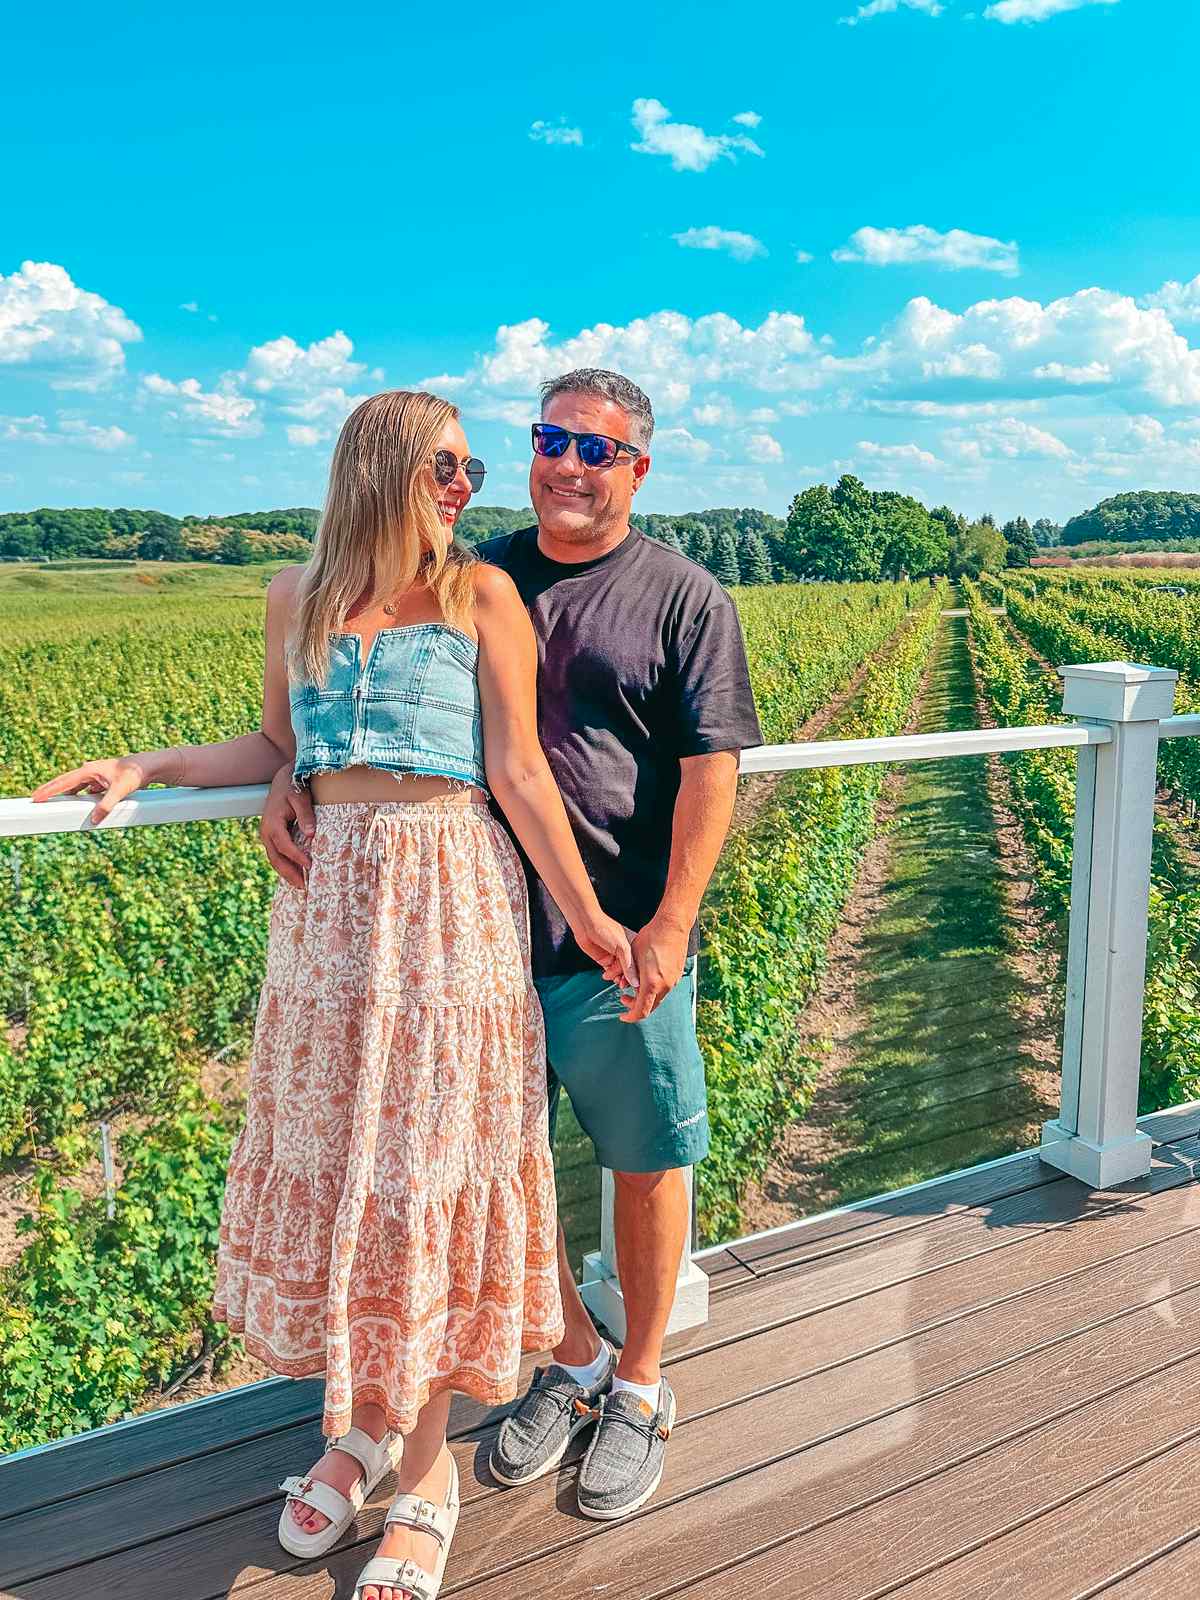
{"x": 637, "y": 1088}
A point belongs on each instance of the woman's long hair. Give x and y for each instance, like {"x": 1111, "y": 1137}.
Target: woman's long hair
{"x": 381, "y": 527}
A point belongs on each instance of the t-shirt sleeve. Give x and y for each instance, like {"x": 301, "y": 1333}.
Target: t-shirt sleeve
{"x": 715, "y": 702}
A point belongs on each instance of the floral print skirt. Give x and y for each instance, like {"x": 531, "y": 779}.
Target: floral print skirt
{"x": 389, "y": 1217}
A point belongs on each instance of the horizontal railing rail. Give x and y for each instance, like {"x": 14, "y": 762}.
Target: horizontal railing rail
{"x": 19, "y": 816}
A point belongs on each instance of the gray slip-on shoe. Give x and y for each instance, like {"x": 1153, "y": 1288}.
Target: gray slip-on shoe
{"x": 624, "y": 1462}
{"x": 552, "y": 1411}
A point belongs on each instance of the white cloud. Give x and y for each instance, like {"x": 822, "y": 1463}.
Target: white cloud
{"x": 284, "y": 364}
{"x": 96, "y": 438}
{"x": 763, "y": 414}
{"x": 880, "y": 8}
{"x": 803, "y": 257}
{"x": 763, "y": 448}
{"x": 26, "y": 430}
{"x": 688, "y": 148}
{"x": 1023, "y": 348}
{"x": 1181, "y": 301}
{"x": 190, "y": 305}
{"x": 34, "y": 429}
{"x": 1037, "y": 10}
{"x": 718, "y": 413}
{"x": 1010, "y": 439}
{"x": 956, "y": 249}
{"x": 679, "y": 442}
{"x": 223, "y": 410}
{"x": 741, "y": 246}
{"x": 747, "y": 119}
{"x": 301, "y": 433}
{"x": 555, "y": 132}
{"x": 1075, "y": 377}
{"x": 76, "y": 338}
{"x": 668, "y": 353}
{"x": 896, "y": 455}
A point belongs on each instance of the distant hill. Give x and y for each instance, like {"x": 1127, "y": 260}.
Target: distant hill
{"x": 1163, "y": 516}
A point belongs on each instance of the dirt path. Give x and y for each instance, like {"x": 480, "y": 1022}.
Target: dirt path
{"x": 938, "y": 1042}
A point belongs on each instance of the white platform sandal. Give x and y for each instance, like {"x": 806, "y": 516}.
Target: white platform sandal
{"x": 410, "y": 1511}
{"x": 376, "y": 1460}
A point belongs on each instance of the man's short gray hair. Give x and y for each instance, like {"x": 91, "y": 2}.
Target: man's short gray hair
{"x": 612, "y": 386}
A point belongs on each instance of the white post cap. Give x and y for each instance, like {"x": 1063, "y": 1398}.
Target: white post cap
{"x": 1118, "y": 691}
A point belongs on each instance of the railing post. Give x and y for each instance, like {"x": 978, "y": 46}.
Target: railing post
{"x": 1095, "y": 1137}
{"x": 601, "y": 1286}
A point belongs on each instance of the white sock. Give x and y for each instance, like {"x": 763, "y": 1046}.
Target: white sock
{"x": 588, "y": 1377}
{"x": 645, "y": 1391}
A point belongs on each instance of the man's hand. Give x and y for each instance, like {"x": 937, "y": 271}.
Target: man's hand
{"x": 287, "y": 808}
{"x": 659, "y": 951}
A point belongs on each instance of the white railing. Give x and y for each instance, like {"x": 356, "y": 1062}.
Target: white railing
{"x": 1122, "y": 710}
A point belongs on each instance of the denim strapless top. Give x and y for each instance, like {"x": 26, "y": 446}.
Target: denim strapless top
{"x": 411, "y": 707}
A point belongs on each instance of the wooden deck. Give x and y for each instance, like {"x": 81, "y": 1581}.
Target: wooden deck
{"x": 986, "y": 1387}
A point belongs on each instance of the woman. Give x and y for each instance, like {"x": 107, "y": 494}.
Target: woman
{"x": 389, "y": 1216}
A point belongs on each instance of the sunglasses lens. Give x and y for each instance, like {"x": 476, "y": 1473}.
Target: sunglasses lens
{"x": 445, "y": 466}
{"x": 476, "y": 472}
{"x": 548, "y": 440}
{"x": 595, "y": 450}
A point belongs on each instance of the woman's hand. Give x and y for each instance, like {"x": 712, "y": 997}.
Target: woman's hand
{"x": 608, "y": 944}
{"x": 113, "y": 780}
{"x": 287, "y": 813}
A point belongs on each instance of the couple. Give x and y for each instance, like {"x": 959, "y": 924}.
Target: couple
{"x": 389, "y": 1218}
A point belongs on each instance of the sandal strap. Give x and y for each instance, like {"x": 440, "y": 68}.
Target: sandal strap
{"x": 386, "y": 1572}
{"x": 410, "y": 1511}
{"x": 323, "y": 1497}
{"x": 360, "y": 1447}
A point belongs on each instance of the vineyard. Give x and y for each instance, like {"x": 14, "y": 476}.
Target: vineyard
{"x": 132, "y": 959}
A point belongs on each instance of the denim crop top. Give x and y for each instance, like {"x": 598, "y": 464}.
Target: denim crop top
{"x": 411, "y": 708}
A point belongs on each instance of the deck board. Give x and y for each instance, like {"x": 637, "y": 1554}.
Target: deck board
{"x": 923, "y": 1399}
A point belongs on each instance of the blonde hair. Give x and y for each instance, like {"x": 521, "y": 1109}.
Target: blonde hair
{"x": 380, "y": 529}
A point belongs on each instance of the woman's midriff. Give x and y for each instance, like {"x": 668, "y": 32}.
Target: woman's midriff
{"x": 355, "y": 784}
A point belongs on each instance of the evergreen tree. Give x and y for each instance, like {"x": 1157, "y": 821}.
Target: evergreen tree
{"x": 754, "y": 558}
{"x": 1022, "y": 546}
{"x": 1046, "y": 532}
{"x": 665, "y": 534}
{"x": 724, "y": 567}
{"x": 700, "y": 546}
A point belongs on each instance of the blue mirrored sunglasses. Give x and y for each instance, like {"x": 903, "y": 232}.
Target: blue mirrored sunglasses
{"x": 595, "y": 449}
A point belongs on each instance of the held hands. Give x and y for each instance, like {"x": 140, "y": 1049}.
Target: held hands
{"x": 286, "y": 828}
{"x": 608, "y": 944}
{"x": 114, "y": 780}
{"x": 660, "y": 951}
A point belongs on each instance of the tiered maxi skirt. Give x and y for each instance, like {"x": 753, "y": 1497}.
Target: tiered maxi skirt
{"x": 389, "y": 1216}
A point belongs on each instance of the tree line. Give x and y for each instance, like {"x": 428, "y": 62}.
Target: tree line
{"x": 838, "y": 533}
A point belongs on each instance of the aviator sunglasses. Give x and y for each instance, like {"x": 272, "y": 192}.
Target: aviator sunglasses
{"x": 446, "y": 465}
{"x": 595, "y": 449}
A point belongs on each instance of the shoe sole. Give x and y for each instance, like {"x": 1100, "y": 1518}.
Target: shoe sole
{"x": 614, "y": 1514}
{"x": 548, "y": 1465}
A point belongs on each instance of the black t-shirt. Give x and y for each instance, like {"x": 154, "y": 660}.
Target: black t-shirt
{"x": 640, "y": 661}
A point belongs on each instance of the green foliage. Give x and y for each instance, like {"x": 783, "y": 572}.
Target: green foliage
{"x": 980, "y": 547}
{"x": 1144, "y": 514}
{"x": 1022, "y": 546}
{"x": 756, "y": 560}
{"x": 725, "y": 560}
{"x": 1046, "y": 533}
{"x": 122, "y": 534}
{"x": 775, "y": 900}
{"x": 1020, "y": 691}
{"x": 915, "y": 544}
{"x": 97, "y": 1309}
{"x": 485, "y": 522}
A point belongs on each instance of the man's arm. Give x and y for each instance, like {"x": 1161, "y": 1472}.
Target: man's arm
{"x": 703, "y": 812}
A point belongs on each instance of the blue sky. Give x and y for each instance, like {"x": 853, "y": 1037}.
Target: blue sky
{"x": 949, "y": 245}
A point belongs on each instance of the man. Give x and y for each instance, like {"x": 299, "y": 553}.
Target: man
{"x": 644, "y": 704}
